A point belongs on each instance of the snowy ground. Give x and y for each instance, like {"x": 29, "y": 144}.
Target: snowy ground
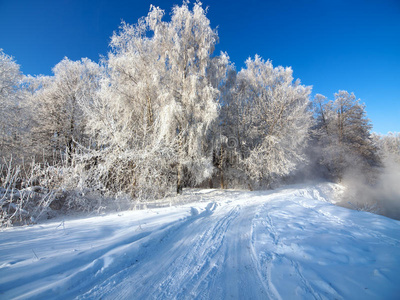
{"x": 285, "y": 244}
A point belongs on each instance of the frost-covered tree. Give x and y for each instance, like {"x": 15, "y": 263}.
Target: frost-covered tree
{"x": 159, "y": 99}
{"x": 270, "y": 119}
{"x": 388, "y": 146}
{"x": 124, "y": 115}
{"x": 222, "y": 74}
{"x": 59, "y": 122}
{"x": 123, "y": 112}
{"x": 11, "y": 114}
{"x": 343, "y": 134}
{"x": 190, "y": 104}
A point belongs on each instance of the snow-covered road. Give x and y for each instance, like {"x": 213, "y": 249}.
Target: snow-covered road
{"x": 284, "y": 244}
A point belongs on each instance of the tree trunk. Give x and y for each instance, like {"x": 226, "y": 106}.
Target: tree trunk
{"x": 221, "y": 172}
{"x": 70, "y": 143}
{"x": 179, "y": 183}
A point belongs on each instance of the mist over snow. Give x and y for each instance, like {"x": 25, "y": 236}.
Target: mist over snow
{"x": 382, "y": 197}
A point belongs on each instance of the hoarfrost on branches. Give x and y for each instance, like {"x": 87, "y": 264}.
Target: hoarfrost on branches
{"x": 272, "y": 117}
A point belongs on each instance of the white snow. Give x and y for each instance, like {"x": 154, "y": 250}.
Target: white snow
{"x": 289, "y": 243}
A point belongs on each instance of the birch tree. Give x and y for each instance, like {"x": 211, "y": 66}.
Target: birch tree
{"x": 273, "y": 118}
{"x": 157, "y": 102}
{"x": 59, "y": 121}
{"x": 125, "y": 113}
{"x": 190, "y": 104}
{"x": 11, "y": 114}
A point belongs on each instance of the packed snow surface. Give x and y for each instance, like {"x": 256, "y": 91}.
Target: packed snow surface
{"x": 289, "y": 243}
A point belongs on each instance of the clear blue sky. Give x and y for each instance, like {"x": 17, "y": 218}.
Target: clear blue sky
{"x": 352, "y": 45}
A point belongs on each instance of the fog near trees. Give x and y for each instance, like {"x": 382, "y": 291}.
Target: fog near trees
{"x": 162, "y": 112}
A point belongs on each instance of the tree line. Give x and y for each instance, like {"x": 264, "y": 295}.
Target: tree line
{"x": 163, "y": 112}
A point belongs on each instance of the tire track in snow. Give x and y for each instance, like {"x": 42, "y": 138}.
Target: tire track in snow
{"x": 263, "y": 245}
{"x": 95, "y": 265}
{"x": 273, "y": 257}
{"x": 183, "y": 257}
{"x": 262, "y": 260}
{"x": 208, "y": 257}
{"x": 306, "y": 283}
{"x": 240, "y": 272}
{"x": 223, "y": 246}
{"x": 204, "y": 256}
{"x": 80, "y": 267}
